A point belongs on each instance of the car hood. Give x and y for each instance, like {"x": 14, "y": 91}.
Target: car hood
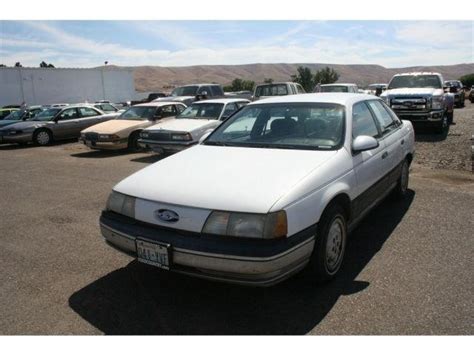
{"x": 412, "y": 91}
{"x": 114, "y": 126}
{"x": 23, "y": 125}
{"x": 224, "y": 178}
{"x": 180, "y": 125}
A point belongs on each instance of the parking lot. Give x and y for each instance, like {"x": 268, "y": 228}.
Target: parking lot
{"x": 408, "y": 268}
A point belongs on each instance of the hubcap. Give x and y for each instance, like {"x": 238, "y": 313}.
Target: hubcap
{"x": 42, "y": 138}
{"x": 334, "y": 245}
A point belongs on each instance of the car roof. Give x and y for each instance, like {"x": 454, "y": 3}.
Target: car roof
{"x": 340, "y": 98}
{"x": 277, "y": 83}
{"x": 339, "y": 84}
{"x": 221, "y": 101}
{"x": 200, "y": 84}
{"x": 158, "y": 103}
{"x": 419, "y": 73}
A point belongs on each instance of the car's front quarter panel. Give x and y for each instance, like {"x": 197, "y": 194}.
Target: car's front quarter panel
{"x": 305, "y": 203}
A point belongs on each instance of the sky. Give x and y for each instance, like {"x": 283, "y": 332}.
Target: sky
{"x": 181, "y": 43}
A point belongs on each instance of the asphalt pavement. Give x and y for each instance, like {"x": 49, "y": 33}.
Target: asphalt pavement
{"x": 408, "y": 269}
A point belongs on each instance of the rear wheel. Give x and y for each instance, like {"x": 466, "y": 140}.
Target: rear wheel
{"x": 42, "y": 137}
{"x": 330, "y": 244}
{"x": 402, "y": 183}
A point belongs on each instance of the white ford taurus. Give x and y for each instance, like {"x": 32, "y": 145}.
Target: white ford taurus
{"x": 275, "y": 188}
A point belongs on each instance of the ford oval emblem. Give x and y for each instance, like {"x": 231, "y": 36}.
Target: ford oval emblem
{"x": 167, "y": 215}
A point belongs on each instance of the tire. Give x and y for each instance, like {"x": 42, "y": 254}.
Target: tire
{"x": 330, "y": 245}
{"x": 450, "y": 117}
{"x": 133, "y": 142}
{"x": 442, "y": 125}
{"x": 401, "y": 189}
{"x": 42, "y": 137}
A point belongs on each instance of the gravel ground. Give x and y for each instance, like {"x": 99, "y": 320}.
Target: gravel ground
{"x": 451, "y": 150}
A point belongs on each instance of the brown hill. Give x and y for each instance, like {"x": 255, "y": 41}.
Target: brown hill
{"x": 155, "y": 78}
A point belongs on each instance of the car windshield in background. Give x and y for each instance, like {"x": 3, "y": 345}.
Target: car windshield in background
{"x": 271, "y": 90}
{"x": 185, "y": 91}
{"x": 106, "y": 107}
{"x": 334, "y": 88}
{"x": 415, "y": 81}
{"x": 46, "y": 115}
{"x": 284, "y": 126}
{"x": 203, "y": 110}
{"x": 138, "y": 113}
{"x": 15, "y": 116}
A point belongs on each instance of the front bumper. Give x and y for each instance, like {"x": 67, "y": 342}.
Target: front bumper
{"x": 114, "y": 145}
{"x": 425, "y": 116}
{"x": 242, "y": 261}
{"x": 159, "y": 147}
{"x": 17, "y": 138}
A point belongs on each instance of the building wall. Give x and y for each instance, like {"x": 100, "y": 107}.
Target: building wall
{"x": 37, "y": 86}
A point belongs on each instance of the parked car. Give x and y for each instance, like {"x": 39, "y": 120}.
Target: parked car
{"x": 194, "y": 92}
{"x": 471, "y": 94}
{"x": 262, "y": 91}
{"x": 4, "y": 112}
{"x": 21, "y": 115}
{"x": 377, "y": 89}
{"x": 151, "y": 96}
{"x": 456, "y": 88}
{"x": 12, "y": 106}
{"x": 244, "y": 94}
{"x": 197, "y": 120}
{"x": 124, "y": 131}
{"x": 106, "y": 107}
{"x": 420, "y": 98}
{"x": 59, "y": 105}
{"x": 274, "y": 189}
{"x": 53, "y": 124}
{"x": 351, "y": 88}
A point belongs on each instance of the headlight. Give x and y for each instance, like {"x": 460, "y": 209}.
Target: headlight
{"x": 234, "y": 224}
{"x": 122, "y": 204}
{"x": 437, "y": 102}
{"x": 181, "y": 137}
{"x": 144, "y": 134}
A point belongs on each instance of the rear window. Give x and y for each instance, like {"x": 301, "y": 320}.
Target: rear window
{"x": 334, "y": 88}
{"x": 271, "y": 90}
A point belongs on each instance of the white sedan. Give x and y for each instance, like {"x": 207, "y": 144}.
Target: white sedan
{"x": 274, "y": 189}
{"x": 196, "y": 121}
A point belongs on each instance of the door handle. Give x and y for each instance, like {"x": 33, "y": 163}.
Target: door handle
{"x": 402, "y": 142}
{"x": 384, "y": 155}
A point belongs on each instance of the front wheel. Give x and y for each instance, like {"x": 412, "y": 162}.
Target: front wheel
{"x": 42, "y": 137}
{"x": 133, "y": 142}
{"x": 442, "y": 125}
{"x": 330, "y": 244}
{"x": 450, "y": 117}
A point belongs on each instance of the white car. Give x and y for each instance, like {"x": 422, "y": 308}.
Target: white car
{"x": 275, "y": 188}
{"x": 339, "y": 87}
{"x": 199, "y": 119}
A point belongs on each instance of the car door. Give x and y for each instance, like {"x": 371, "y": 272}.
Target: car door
{"x": 88, "y": 117}
{"x": 391, "y": 135}
{"x": 369, "y": 166}
{"x": 66, "y": 124}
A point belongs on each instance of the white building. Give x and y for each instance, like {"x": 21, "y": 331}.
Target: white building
{"x": 36, "y": 86}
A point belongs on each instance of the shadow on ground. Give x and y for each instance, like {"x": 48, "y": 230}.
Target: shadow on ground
{"x": 150, "y": 159}
{"x": 427, "y": 134}
{"x": 95, "y": 154}
{"x": 13, "y": 146}
{"x": 139, "y": 299}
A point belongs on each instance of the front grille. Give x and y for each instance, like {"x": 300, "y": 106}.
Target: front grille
{"x": 409, "y": 103}
{"x": 158, "y": 136}
{"x": 91, "y": 136}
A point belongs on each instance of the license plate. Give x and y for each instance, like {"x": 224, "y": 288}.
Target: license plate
{"x": 153, "y": 254}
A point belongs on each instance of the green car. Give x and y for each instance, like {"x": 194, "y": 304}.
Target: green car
{"x": 4, "y": 112}
{"x": 18, "y": 115}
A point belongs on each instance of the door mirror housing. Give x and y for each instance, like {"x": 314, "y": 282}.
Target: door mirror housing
{"x": 362, "y": 143}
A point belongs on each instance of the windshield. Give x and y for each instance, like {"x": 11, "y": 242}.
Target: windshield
{"x": 284, "y": 126}
{"x": 202, "y": 110}
{"x": 271, "y": 90}
{"x": 185, "y": 91}
{"x": 46, "y": 115}
{"x": 334, "y": 88}
{"x": 415, "y": 81}
{"x": 138, "y": 113}
{"x": 15, "y": 115}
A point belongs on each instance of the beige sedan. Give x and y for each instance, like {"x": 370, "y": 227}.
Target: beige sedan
{"x": 123, "y": 132}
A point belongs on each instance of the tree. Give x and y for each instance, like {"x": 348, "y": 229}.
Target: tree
{"x": 467, "y": 80}
{"x": 268, "y": 81}
{"x": 43, "y": 64}
{"x": 18, "y": 65}
{"x": 305, "y": 78}
{"x": 326, "y": 76}
{"x": 240, "y": 85}
{"x": 3, "y": 66}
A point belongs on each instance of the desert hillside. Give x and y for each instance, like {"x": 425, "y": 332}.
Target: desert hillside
{"x": 154, "y": 78}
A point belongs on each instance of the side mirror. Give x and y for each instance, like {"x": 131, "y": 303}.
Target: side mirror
{"x": 204, "y": 136}
{"x": 362, "y": 143}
